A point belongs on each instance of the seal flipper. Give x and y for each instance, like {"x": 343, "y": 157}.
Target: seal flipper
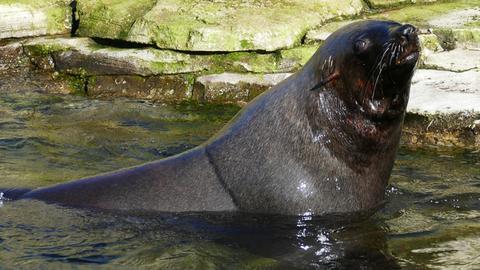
{"x": 13, "y": 193}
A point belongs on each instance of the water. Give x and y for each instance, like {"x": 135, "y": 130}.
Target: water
{"x": 431, "y": 220}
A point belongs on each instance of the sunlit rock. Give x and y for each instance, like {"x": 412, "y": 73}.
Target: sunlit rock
{"x": 211, "y": 26}
{"x": 25, "y": 18}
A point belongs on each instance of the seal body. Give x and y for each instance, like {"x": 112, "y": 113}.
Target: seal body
{"x": 322, "y": 141}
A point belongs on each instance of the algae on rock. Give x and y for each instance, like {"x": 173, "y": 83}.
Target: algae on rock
{"x": 189, "y": 25}
{"x": 110, "y": 19}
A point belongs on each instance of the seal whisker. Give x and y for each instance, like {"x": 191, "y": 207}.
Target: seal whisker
{"x": 398, "y": 53}
{"x": 379, "y": 66}
{"x": 392, "y": 56}
{"x": 376, "y": 81}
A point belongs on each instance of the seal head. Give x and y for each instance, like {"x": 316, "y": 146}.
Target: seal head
{"x": 373, "y": 67}
{"x": 365, "y": 73}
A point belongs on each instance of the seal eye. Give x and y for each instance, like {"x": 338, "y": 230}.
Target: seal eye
{"x": 360, "y": 46}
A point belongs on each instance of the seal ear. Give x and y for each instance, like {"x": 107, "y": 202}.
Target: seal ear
{"x": 328, "y": 74}
{"x": 334, "y": 76}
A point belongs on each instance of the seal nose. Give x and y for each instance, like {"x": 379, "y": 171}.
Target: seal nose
{"x": 407, "y": 33}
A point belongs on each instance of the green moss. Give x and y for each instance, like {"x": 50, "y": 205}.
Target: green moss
{"x": 213, "y": 25}
{"x": 246, "y": 44}
{"x": 45, "y": 49}
{"x": 78, "y": 82}
{"x": 110, "y": 18}
{"x": 297, "y": 57}
{"x": 59, "y": 19}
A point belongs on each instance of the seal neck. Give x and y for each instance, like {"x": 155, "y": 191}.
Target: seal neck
{"x": 348, "y": 134}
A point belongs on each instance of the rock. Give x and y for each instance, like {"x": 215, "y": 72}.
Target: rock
{"x": 84, "y": 56}
{"x": 231, "y": 87}
{"x": 110, "y": 18}
{"x": 173, "y": 88}
{"x": 218, "y": 26}
{"x": 12, "y": 57}
{"x": 24, "y": 18}
{"x": 293, "y": 59}
{"x": 445, "y": 92}
{"x": 455, "y": 60}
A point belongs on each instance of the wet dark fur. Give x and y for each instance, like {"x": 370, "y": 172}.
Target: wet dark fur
{"x": 322, "y": 141}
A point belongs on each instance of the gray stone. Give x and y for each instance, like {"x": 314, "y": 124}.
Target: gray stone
{"x": 445, "y": 92}
{"x": 455, "y": 60}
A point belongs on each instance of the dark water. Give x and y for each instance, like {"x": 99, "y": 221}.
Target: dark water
{"x": 431, "y": 220}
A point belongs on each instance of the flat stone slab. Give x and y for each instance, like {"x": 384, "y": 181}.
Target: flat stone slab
{"x": 457, "y": 60}
{"x": 220, "y": 26}
{"x": 83, "y": 55}
{"x": 86, "y": 57}
{"x": 445, "y": 92}
{"x": 25, "y": 18}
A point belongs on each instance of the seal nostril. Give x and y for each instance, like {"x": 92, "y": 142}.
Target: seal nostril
{"x": 407, "y": 32}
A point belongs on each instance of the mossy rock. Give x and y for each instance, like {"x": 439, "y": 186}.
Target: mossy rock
{"x": 224, "y": 26}
{"x": 73, "y": 55}
{"x": 110, "y": 18}
{"x": 294, "y": 59}
{"x": 25, "y": 18}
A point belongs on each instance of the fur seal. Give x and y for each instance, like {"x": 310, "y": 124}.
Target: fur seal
{"x": 322, "y": 141}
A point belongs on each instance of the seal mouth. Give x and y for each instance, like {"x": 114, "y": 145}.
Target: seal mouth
{"x": 409, "y": 59}
{"x": 385, "y": 97}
